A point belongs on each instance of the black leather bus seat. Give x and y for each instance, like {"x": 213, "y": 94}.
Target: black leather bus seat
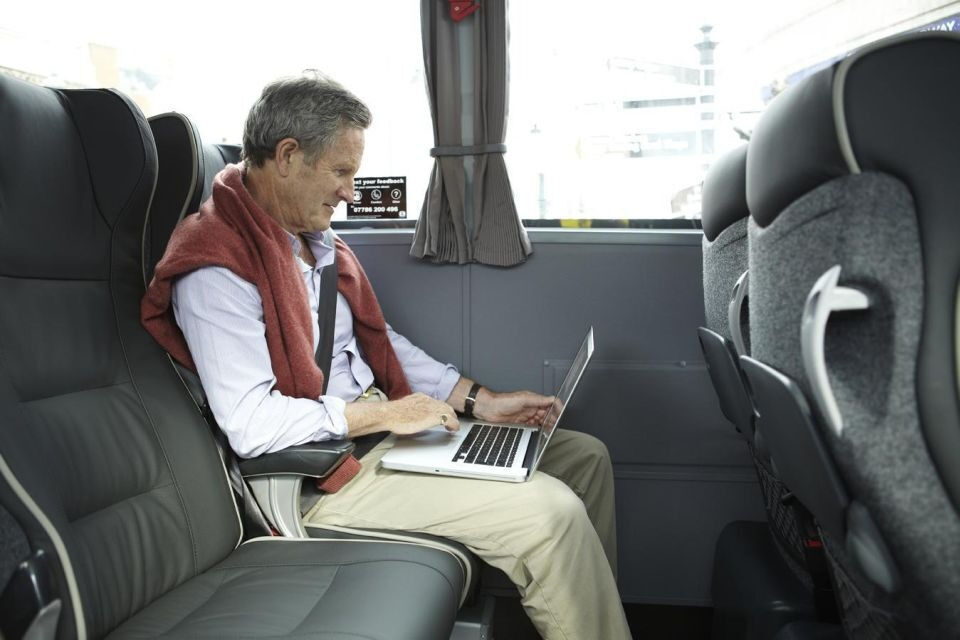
{"x": 105, "y": 461}
{"x": 184, "y": 179}
{"x": 854, "y": 168}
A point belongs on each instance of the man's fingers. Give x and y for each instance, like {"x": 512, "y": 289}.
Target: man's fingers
{"x": 449, "y": 420}
{"x": 546, "y": 402}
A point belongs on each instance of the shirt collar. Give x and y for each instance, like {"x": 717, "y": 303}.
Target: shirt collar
{"x": 321, "y": 245}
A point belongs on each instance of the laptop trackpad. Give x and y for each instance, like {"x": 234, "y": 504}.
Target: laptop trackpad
{"x": 433, "y": 438}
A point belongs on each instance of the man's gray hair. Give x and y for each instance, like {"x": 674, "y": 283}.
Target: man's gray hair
{"x": 311, "y": 108}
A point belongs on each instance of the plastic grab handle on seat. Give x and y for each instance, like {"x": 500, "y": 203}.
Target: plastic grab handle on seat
{"x": 825, "y": 297}
{"x": 735, "y": 310}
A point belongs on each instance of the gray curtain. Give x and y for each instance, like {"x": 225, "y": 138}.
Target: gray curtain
{"x": 468, "y": 213}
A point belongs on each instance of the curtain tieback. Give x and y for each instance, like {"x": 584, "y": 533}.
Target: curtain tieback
{"x": 471, "y": 150}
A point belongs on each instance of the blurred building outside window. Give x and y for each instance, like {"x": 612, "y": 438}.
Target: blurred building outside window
{"x": 616, "y": 110}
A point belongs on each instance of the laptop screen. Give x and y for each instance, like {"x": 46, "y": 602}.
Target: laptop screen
{"x": 563, "y": 395}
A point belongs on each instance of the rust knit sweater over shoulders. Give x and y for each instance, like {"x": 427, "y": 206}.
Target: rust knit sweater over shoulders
{"x": 232, "y": 231}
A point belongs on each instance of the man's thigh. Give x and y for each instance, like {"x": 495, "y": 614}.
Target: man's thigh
{"x": 479, "y": 513}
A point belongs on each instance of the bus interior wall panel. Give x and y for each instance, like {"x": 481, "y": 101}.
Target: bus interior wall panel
{"x": 682, "y": 473}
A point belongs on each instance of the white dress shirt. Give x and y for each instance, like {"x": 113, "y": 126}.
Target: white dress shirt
{"x": 221, "y": 317}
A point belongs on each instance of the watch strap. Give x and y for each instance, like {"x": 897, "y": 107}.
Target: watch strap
{"x": 471, "y": 400}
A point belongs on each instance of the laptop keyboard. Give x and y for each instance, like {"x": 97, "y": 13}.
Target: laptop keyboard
{"x": 491, "y": 445}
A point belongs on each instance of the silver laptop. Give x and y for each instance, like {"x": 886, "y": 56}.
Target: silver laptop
{"x": 485, "y": 450}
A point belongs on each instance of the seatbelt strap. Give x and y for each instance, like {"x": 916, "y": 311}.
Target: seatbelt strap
{"x": 327, "y": 322}
{"x": 327, "y": 319}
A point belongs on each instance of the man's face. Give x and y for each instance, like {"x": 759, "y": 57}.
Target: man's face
{"x": 315, "y": 190}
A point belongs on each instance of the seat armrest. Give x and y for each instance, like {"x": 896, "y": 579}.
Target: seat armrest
{"x": 314, "y": 459}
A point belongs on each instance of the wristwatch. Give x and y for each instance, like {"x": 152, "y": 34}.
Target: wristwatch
{"x": 471, "y": 400}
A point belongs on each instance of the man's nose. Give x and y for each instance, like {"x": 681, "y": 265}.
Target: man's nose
{"x": 345, "y": 192}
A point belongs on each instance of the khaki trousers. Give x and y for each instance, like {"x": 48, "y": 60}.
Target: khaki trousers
{"x": 554, "y": 535}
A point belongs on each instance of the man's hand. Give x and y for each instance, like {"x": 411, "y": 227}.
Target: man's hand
{"x": 523, "y": 407}
{"x": 417, "y": 412}
{"x": 408, "y": 415}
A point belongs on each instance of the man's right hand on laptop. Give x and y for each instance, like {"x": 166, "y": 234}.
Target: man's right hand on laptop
{"x": 518, "y": 407}
{"x": 406, "y": 416}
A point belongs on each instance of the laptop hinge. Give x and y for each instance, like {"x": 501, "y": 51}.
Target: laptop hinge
{"x": 531, "y": 451}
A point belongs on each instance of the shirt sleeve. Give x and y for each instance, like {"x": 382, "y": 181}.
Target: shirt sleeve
{"x": 221, "y": 317}
{"x": 424, "y": 374}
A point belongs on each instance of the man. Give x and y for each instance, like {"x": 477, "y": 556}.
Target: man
{"x": 242, "y": 279}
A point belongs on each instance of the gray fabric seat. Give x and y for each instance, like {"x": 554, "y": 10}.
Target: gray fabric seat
{"x": 868, "y": 186}
{"x": 725, "y": 262}
{"x": 760, "y": 580}
{"x": 724, "y": 215}
{"x": 105, "y": 460}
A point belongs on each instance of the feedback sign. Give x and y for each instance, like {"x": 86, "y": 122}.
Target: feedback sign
{"x": 378, "y": 198}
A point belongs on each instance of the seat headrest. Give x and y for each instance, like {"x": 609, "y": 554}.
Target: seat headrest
{"x": 215, "y": 158}
{"x": 725, "y": 193}
{"x": 864, "y": 112}
{"x": 73, "y": 163}
{"x": 178, "y": 177}
{"x": 794, "y": 147}
{"x": 187, "y": 169}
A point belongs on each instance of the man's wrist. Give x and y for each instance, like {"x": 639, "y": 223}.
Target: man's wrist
{"x": 335, "y": 422}
{"x": 470, "y": 402}
{"x": 365, "y": 417}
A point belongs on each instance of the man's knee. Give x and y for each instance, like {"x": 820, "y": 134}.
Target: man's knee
{"x": 591, "y": 449}
{"x": 561, "y": 509}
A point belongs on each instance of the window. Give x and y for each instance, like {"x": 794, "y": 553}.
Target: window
{"x": 617, "y": 109}
{"x": 210, "y": 61}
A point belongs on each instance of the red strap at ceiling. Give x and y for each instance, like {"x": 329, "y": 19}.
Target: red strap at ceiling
{"x": 460, "y": 9}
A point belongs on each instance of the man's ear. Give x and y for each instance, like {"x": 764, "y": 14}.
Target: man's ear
{"x": 283, "y": 155}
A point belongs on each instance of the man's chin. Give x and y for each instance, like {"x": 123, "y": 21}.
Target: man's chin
{"x": 322, "y": 222}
